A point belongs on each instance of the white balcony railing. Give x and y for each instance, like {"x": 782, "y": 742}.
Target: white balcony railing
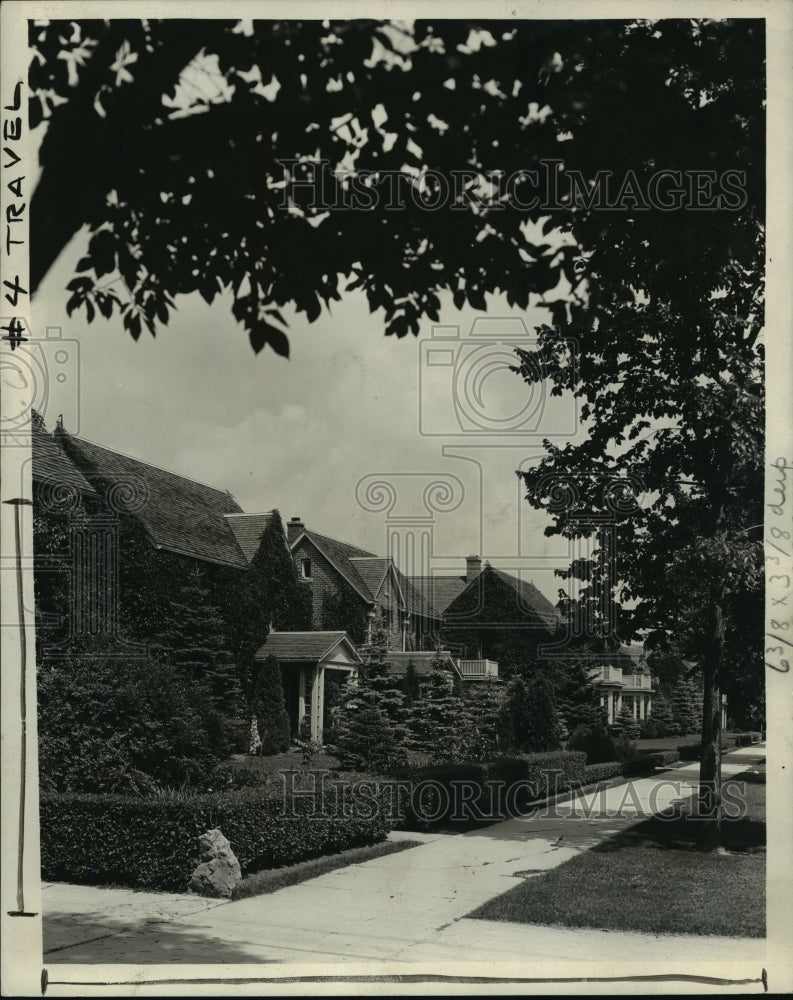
{"x": 479, "y": 668}
{"x": 608, "y": 675}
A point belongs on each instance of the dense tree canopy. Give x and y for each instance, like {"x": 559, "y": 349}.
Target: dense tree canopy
{"x": 195, "y": 120}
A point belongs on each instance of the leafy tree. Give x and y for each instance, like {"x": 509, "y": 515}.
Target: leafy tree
{"x": 111, "y": 724}
{"x": 384, "y": 97}
{"x": 671, "y": 389}
{"x": 266, "y": 705}
{"x": 594, "y": 741}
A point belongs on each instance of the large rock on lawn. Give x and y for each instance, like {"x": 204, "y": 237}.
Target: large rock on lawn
{"x": 219, "y": 871}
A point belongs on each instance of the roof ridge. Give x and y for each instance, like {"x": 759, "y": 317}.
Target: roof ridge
{"x": 338, "y": 541}
{"x": 151, "y": 465}
{"x": 252, "y": 513}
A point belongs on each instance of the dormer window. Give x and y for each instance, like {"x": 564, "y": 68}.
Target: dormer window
{"x": 305, "y": 569}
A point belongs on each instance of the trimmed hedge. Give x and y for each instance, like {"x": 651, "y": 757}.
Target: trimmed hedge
{"x": 746, "y": 739}
{"x": 649, "y": 761}
{"x": 463, "y": 793}
{"x": 153, "y": 842}
{"x": 600, "y": 772}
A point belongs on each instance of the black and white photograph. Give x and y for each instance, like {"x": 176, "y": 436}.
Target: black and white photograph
{"x": 396, "y": 498}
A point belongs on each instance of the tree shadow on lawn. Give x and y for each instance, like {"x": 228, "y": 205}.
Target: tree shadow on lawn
{"x": 742, "y": 827}
{"x": 651, "y": 878}
{"x": 144, "y": 941}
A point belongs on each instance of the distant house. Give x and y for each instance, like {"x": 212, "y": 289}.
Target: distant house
{"x": 488, "y": 614}
{"x": 624, "y": 680}
{"x": 350, "y": 586}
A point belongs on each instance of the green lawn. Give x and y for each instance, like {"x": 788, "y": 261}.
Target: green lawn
{"x": 290, "y": 760}
{"x": 651, "y": 878}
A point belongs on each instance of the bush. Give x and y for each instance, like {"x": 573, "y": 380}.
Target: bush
{"x": 443, "y": 801}
{"x": 649, "y": 761}
{"x": 120, "y": 726}
{"x": 650, "y": 730}
{"x": 153, "y": 842}
{"x": 624, "y": 747}
{"x": 593, "y": 741}
{"x": 267, "y": 704}
{"x": 600, "y": 772}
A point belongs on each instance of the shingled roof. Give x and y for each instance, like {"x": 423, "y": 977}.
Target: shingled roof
{"x": 372, "y": 570}
{"x": 178, "y": 514}
{"x": 247, "y": 530}
{"x": 438, "y": 592}
{"x": 51, "y": 468}
{"x": 528, "y": 602}
{"x": 304, "y": 646}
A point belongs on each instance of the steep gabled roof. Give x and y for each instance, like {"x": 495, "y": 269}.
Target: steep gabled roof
{"x": 305, "y": 646}
{"x": 372, "y": 570}
{"x": 178, "y": 514}
{"x": 526, "y": 603}
{"x": 247, "y": 530}
{"x": 415, "y": 600}
{"x": 531, "y": 599}
{"x": 51, "y": 467}
{"x": 366, "y": 572}
{"x": 340, "y": 555}
{"x": 438, "y": 592}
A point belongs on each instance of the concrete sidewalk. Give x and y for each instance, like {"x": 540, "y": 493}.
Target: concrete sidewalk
{"x": 407, "y": 907}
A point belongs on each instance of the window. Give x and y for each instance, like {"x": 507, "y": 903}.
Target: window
{"x": 305, "y": 569}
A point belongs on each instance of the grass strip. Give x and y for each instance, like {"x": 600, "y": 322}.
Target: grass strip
{"x": 273, "y": 879}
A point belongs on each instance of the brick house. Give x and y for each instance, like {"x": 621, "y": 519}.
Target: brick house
{"x": 349, "y": 586}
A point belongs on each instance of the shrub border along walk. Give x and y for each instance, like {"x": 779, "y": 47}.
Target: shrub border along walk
{"x": 153, "y": 842}
{"x": 456, "y": 794}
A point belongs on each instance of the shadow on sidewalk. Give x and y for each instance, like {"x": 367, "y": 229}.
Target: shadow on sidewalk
{"x": 96, "y": 941}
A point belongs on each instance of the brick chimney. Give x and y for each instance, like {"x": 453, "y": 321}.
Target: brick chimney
{"x": 293, "y": 528}
{"x": 473, "y": 567}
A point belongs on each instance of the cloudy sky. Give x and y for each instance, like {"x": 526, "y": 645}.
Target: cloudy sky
{"x": 301, "y": 434}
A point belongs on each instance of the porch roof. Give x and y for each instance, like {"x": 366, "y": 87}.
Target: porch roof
{"x": 307, "y": 646}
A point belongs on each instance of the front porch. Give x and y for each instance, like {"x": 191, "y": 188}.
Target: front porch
{"x": 307, "y": 660}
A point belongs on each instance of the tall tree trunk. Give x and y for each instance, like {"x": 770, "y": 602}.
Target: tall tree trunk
{"x": 709, "y": 799}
